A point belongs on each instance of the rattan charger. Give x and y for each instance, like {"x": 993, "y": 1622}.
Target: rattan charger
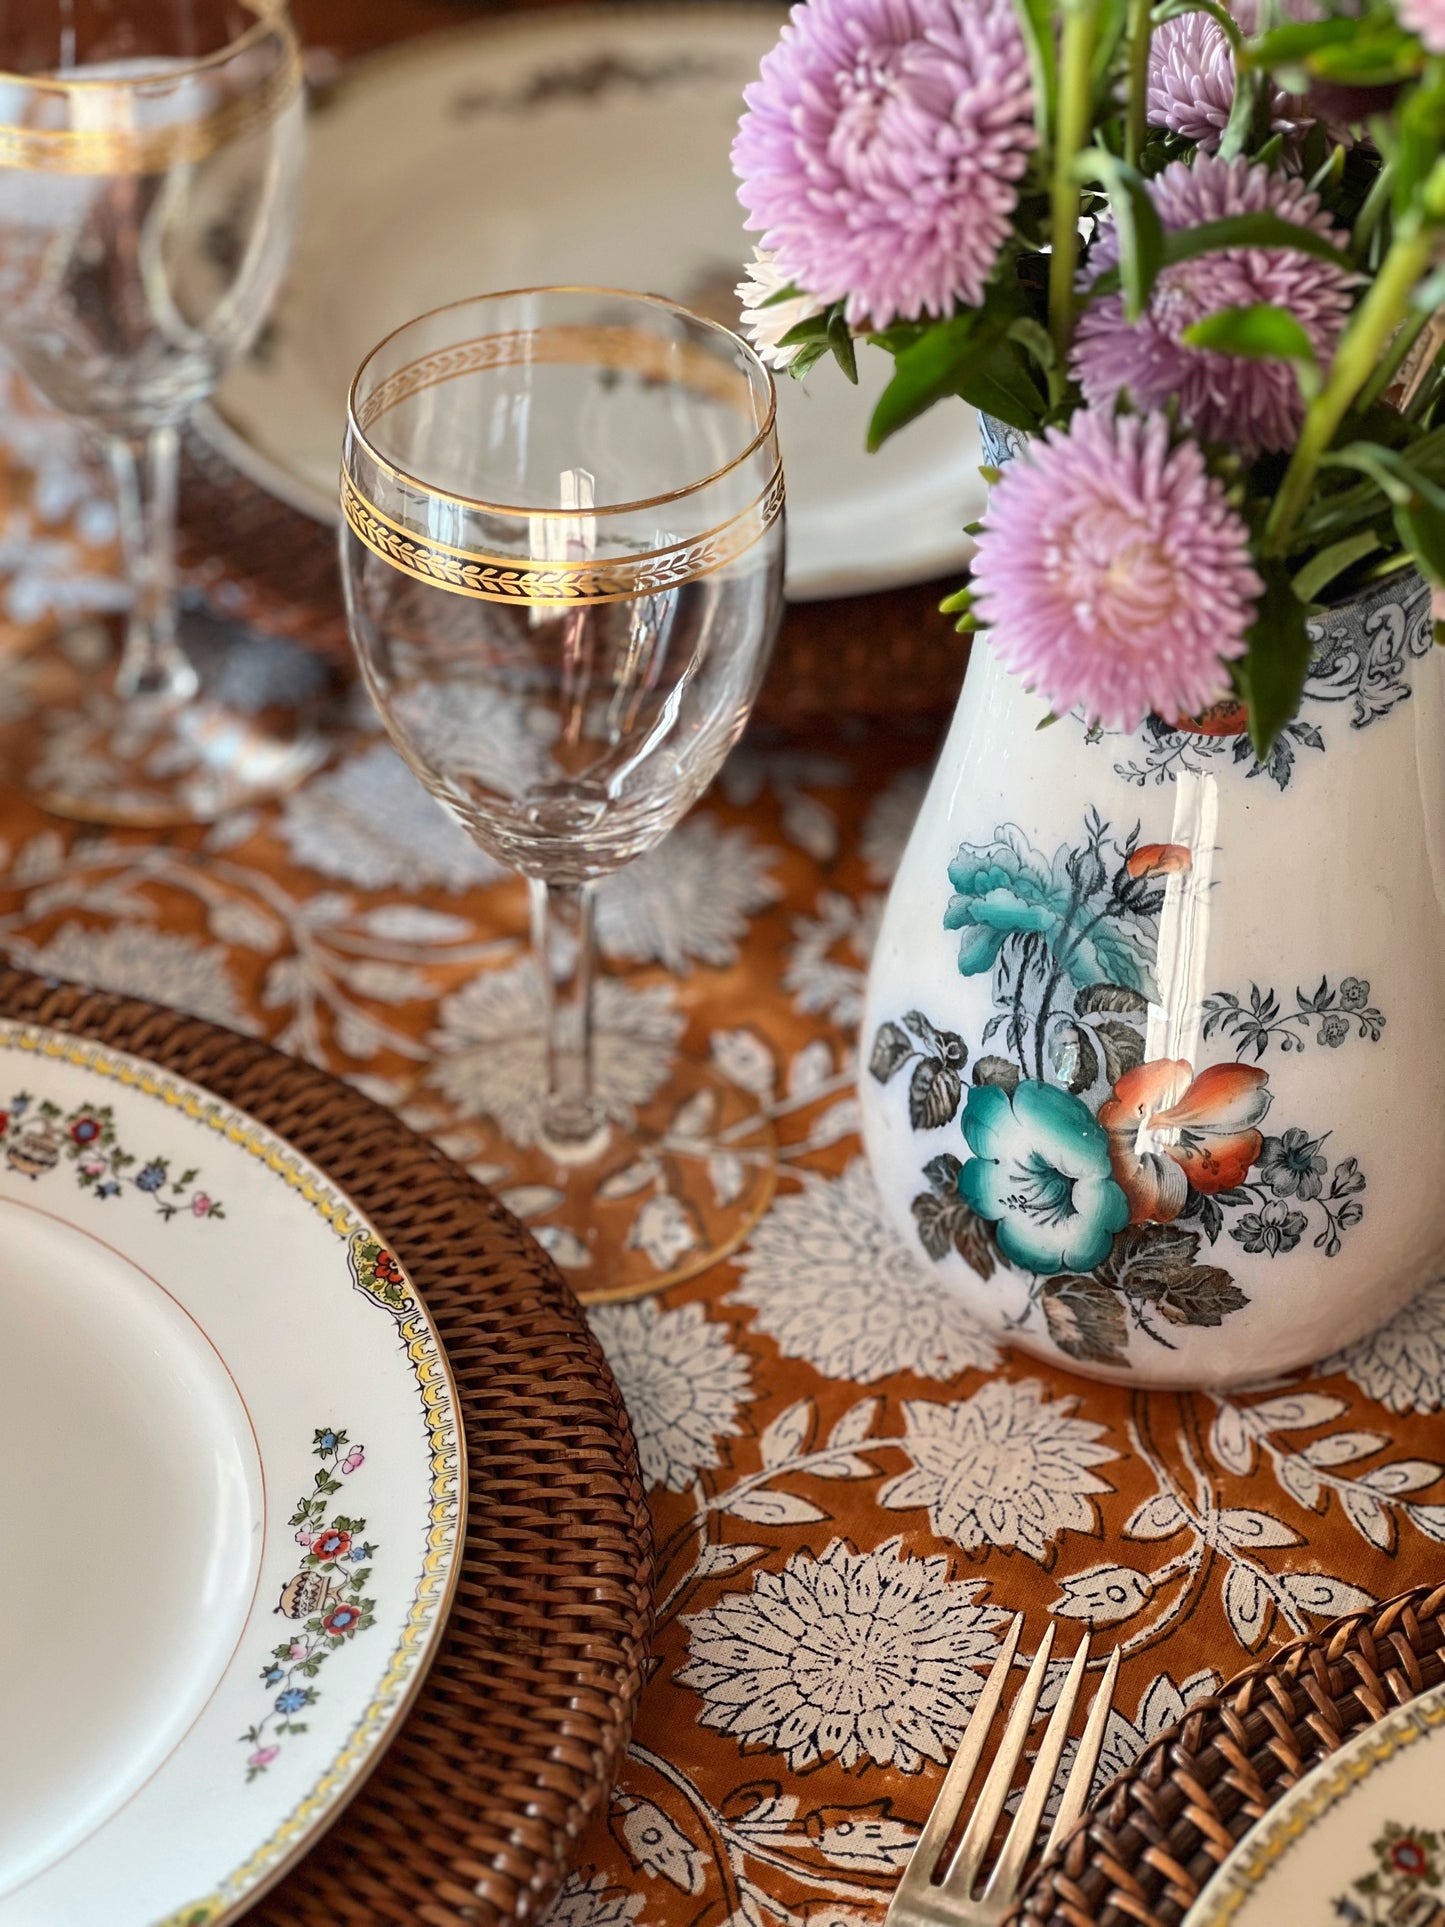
{"x": 1152, "y": 1841}
{"x": 473, "y": 1813}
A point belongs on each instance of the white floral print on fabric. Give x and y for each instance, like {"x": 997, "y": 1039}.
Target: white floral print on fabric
{"x": 833, "y": 1284}
{"x": 889, "y": 823}
{"x": 492, "y": 1057}
{"x": 688, "y": 900}
{"x": 826, "y": 970}
{"x": 857, "y": 1655}
{"x": 1403, "y": 1363}
{"x": 166, "y": 966}
{"x": 1004, "y": 1468}
{"x": 586, "y": 1900}
{"x": 370, "y": 823}
{"x": 681, "y": 1381}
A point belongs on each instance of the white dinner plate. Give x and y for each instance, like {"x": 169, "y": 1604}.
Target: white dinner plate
{"x": 1360, "y": 1840}
{"x": 581, "y": 146}
{"x": 232, "y": 1497}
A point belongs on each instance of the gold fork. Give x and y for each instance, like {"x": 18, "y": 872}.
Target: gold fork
{"x": 932, "y": 1896}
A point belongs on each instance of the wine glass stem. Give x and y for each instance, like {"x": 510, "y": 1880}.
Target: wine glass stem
{"x": 574, "y": 1125}
{"x": 153, "y": 665}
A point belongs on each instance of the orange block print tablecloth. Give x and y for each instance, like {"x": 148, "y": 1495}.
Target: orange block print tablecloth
{"x": 852, "y": 1483}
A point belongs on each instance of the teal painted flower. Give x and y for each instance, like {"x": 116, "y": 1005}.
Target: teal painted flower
{"x": 1040, "y": 1172}
{"x": 1006, "y": 888}
{"x": 1002, "y": 889}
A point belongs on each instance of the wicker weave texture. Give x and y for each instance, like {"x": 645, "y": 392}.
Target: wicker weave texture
{"x": 1149, "y": 1846}
{"x": 472, "y": 1814}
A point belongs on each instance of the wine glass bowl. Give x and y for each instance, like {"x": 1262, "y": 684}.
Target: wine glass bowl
{"x": 563, "y": 558}
{"x": 150, "y": 157}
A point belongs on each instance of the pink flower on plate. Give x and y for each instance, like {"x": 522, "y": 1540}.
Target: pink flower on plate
{"x": 92, "y": 1168}
{"x": 1250, "y": 405}
{"x": 200, "y": 1204}
{"x": 305, "y": 1536}
{"x": 298, "y": 1649}
{"x": 882, "y": 148}
{"x": 354, "y": 1460}
{"x": 1113, "y": 574}
{"x": 263, "y": 1756}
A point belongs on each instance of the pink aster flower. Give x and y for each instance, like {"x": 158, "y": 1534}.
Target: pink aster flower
{"x": 1426, "y": 18}
{"x": 881, "y": 150}
{"x": 1251, "y": 405}
{"x": 1191, "y": 77}
{"x": 1114, "y": 575}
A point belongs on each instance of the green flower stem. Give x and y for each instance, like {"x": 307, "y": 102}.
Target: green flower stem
{"x": 1365, "y": 344}
{"x": 1140, "y": 32}
{"x": 1076, "y": 55}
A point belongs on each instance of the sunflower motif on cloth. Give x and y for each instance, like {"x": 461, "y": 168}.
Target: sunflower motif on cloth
{"x": 1169, "y": 1130}
{"x": 1040, "y": 1171}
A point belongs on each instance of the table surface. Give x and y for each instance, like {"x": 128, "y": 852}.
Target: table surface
{"x": 852, "y": 1483}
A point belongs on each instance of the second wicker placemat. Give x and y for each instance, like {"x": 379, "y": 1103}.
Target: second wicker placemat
{"x": 1154, "y": 1838}
{"x": 473, "y": 1812}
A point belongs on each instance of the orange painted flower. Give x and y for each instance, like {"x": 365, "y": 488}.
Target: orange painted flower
{"x": 1226, "y": 718}
{"x": 1160, "y": 860}
{"x": 1169, "y": 1129}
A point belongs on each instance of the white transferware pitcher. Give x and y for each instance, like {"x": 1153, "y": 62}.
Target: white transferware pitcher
{"x": 1153, "y": 1061}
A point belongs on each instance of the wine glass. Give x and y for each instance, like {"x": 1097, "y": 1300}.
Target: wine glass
{"x": 563, "y": 559}
{"x": 150, "y": 152}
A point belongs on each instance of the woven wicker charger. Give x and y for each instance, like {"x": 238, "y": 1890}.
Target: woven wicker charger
{"x": 474, "y": 1810}
{"x": 1153, "y": 1839}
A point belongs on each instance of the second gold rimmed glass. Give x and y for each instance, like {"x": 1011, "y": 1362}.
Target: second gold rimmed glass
{"x": 563, "y": 557}
{"x": 150, "y": 153}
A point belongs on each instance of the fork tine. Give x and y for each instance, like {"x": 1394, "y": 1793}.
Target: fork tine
{"x": 1081, "y": 1775}
{"x": 959, "y": 1879}
{"x": 1003, "y": 1881}
{"x": 951, "y": 1794}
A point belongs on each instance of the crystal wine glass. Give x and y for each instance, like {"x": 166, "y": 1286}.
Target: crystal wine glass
{"x": 563, "y": 557}
{"x": 150, "y": 152}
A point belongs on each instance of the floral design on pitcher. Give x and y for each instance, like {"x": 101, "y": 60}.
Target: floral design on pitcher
{"x": 1097, "y": 1174}
{"x": 324, "y": 1596}
{"x": 1363, "y": 657}
{"x": 1404, "y": 1886}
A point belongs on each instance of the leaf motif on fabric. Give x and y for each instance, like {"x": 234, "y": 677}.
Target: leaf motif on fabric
{"x": 1247, "y": 1606}
{"x": 786, "y": 1437}
{"x": 773, "y": 1509}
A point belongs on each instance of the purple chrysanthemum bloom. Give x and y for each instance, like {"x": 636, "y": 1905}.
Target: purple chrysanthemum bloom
{"x": 1191, "y": 77}
{"x": 1426, "y": 18}
{"x": 881, "y": 150}
{"x": 1113, "y": 573}
{"x": 1251, "y": 405}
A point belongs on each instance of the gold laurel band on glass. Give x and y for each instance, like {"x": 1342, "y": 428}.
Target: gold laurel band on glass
{"x": 495, "y": 578}
{"x": 152, "y": 150}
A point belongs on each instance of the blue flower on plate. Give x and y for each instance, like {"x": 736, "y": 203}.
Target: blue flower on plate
{"x": 110, "y": 1189}
{"x": 360, "y": 1554}
{"x": 291, "y": 1701}
{"x": 1040, "y": 1171}
{"x": 272, "y": 1676}
{"x": 326, "y": 1441}
{"x": 151, "y": 1176}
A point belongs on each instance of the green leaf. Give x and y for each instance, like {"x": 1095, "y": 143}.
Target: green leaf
{"x": 1259, "y": 332}
{"x": 840, "y": 340}
{"x": 1038, "y": 26}
{"x": 1287, "y": 46}
{"x": 998, "y": 382}
{"x": 1321, "y": 570}
{"x": 1136, "y": 221}
{"x": 924, "y": 373}
{"x": 1271, "y": 675}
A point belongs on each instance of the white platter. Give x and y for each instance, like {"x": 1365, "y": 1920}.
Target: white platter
{"x": 1360, "y": 1840}
{"x": 232, "y": 1500}
{"x": 581, "y": 146}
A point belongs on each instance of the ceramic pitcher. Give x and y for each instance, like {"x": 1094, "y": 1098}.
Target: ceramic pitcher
{"x": 1153, "y": 1063}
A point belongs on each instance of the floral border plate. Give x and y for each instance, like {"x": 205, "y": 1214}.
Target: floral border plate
{"x": 233, "y": 1501}
{"x": 1360, "y": 1840}
{"x": 577, "y": 145}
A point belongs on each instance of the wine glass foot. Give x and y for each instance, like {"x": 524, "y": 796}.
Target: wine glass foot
{"x": 673, "y": 1190}
{"x": 257, "y": 726}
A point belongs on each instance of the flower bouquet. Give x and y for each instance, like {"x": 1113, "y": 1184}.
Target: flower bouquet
{"x": 1151, "y": 1040}
{"x": 1190, "y": 252}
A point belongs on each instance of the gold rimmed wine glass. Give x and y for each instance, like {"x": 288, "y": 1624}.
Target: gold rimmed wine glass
{"x": 150, "y": 152}
{"x": 563, "y": 557}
